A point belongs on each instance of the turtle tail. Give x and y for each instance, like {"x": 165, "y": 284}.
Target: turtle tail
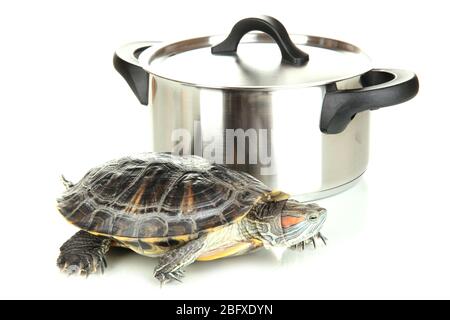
{"x": 68, "y": 184}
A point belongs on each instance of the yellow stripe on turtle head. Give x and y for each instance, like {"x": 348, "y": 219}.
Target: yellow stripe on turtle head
{"x": 276, "y": 196}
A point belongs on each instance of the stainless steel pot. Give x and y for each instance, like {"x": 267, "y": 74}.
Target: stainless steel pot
{"x": 298, "y": 121}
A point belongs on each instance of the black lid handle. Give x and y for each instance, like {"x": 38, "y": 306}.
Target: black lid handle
{"x": 289, "y": 51}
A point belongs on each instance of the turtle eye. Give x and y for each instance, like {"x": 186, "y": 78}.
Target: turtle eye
{"x": 313, "y": 217}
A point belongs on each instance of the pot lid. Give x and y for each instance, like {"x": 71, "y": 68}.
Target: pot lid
{"x": 267, "y": 59}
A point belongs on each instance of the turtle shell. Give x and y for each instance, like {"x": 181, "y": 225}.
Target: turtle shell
{"x": 159, "y": 195}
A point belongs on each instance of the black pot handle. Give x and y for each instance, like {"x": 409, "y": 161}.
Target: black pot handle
{"x": 289, "y": 51}
{"x": 381, "y": 88}
{"x": 126, "y": 63}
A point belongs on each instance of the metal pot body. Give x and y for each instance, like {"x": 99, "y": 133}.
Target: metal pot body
{"x": 299, "y": 124}
{"x": 272, "y": 135}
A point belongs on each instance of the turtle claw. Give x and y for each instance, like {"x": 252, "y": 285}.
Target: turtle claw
{"x": 163, "y": 279}
{"x": 72, "y": 269}
{"x": 102, "y": 268}
{"x": 168, "y": 277}
{"x": 178, "y": 275}
{"x": 322, "y": 237}
{"x": 301, "y": 246}
{"x": 314, "y": 242}
{"x": 81, "y": 264}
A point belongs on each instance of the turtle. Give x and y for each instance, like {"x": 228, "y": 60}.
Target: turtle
{"x": 180, "y": 209}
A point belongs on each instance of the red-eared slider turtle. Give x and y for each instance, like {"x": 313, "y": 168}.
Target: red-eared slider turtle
{"x": 180, "y": 209}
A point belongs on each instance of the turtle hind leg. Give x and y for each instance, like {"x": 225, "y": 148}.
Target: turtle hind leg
{"x": 84, "y": 254}
{"x": 172, "y": 264}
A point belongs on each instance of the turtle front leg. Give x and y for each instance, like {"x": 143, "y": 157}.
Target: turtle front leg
{"x": 84, "y": 254}
{"x": 172, "y": 264}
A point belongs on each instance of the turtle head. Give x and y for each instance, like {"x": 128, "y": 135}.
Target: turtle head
{"x": 300, "y": 222}
{"x": 286, "y": 223}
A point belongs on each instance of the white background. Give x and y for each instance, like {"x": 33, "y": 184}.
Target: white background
{"x": 65, "y": 109}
